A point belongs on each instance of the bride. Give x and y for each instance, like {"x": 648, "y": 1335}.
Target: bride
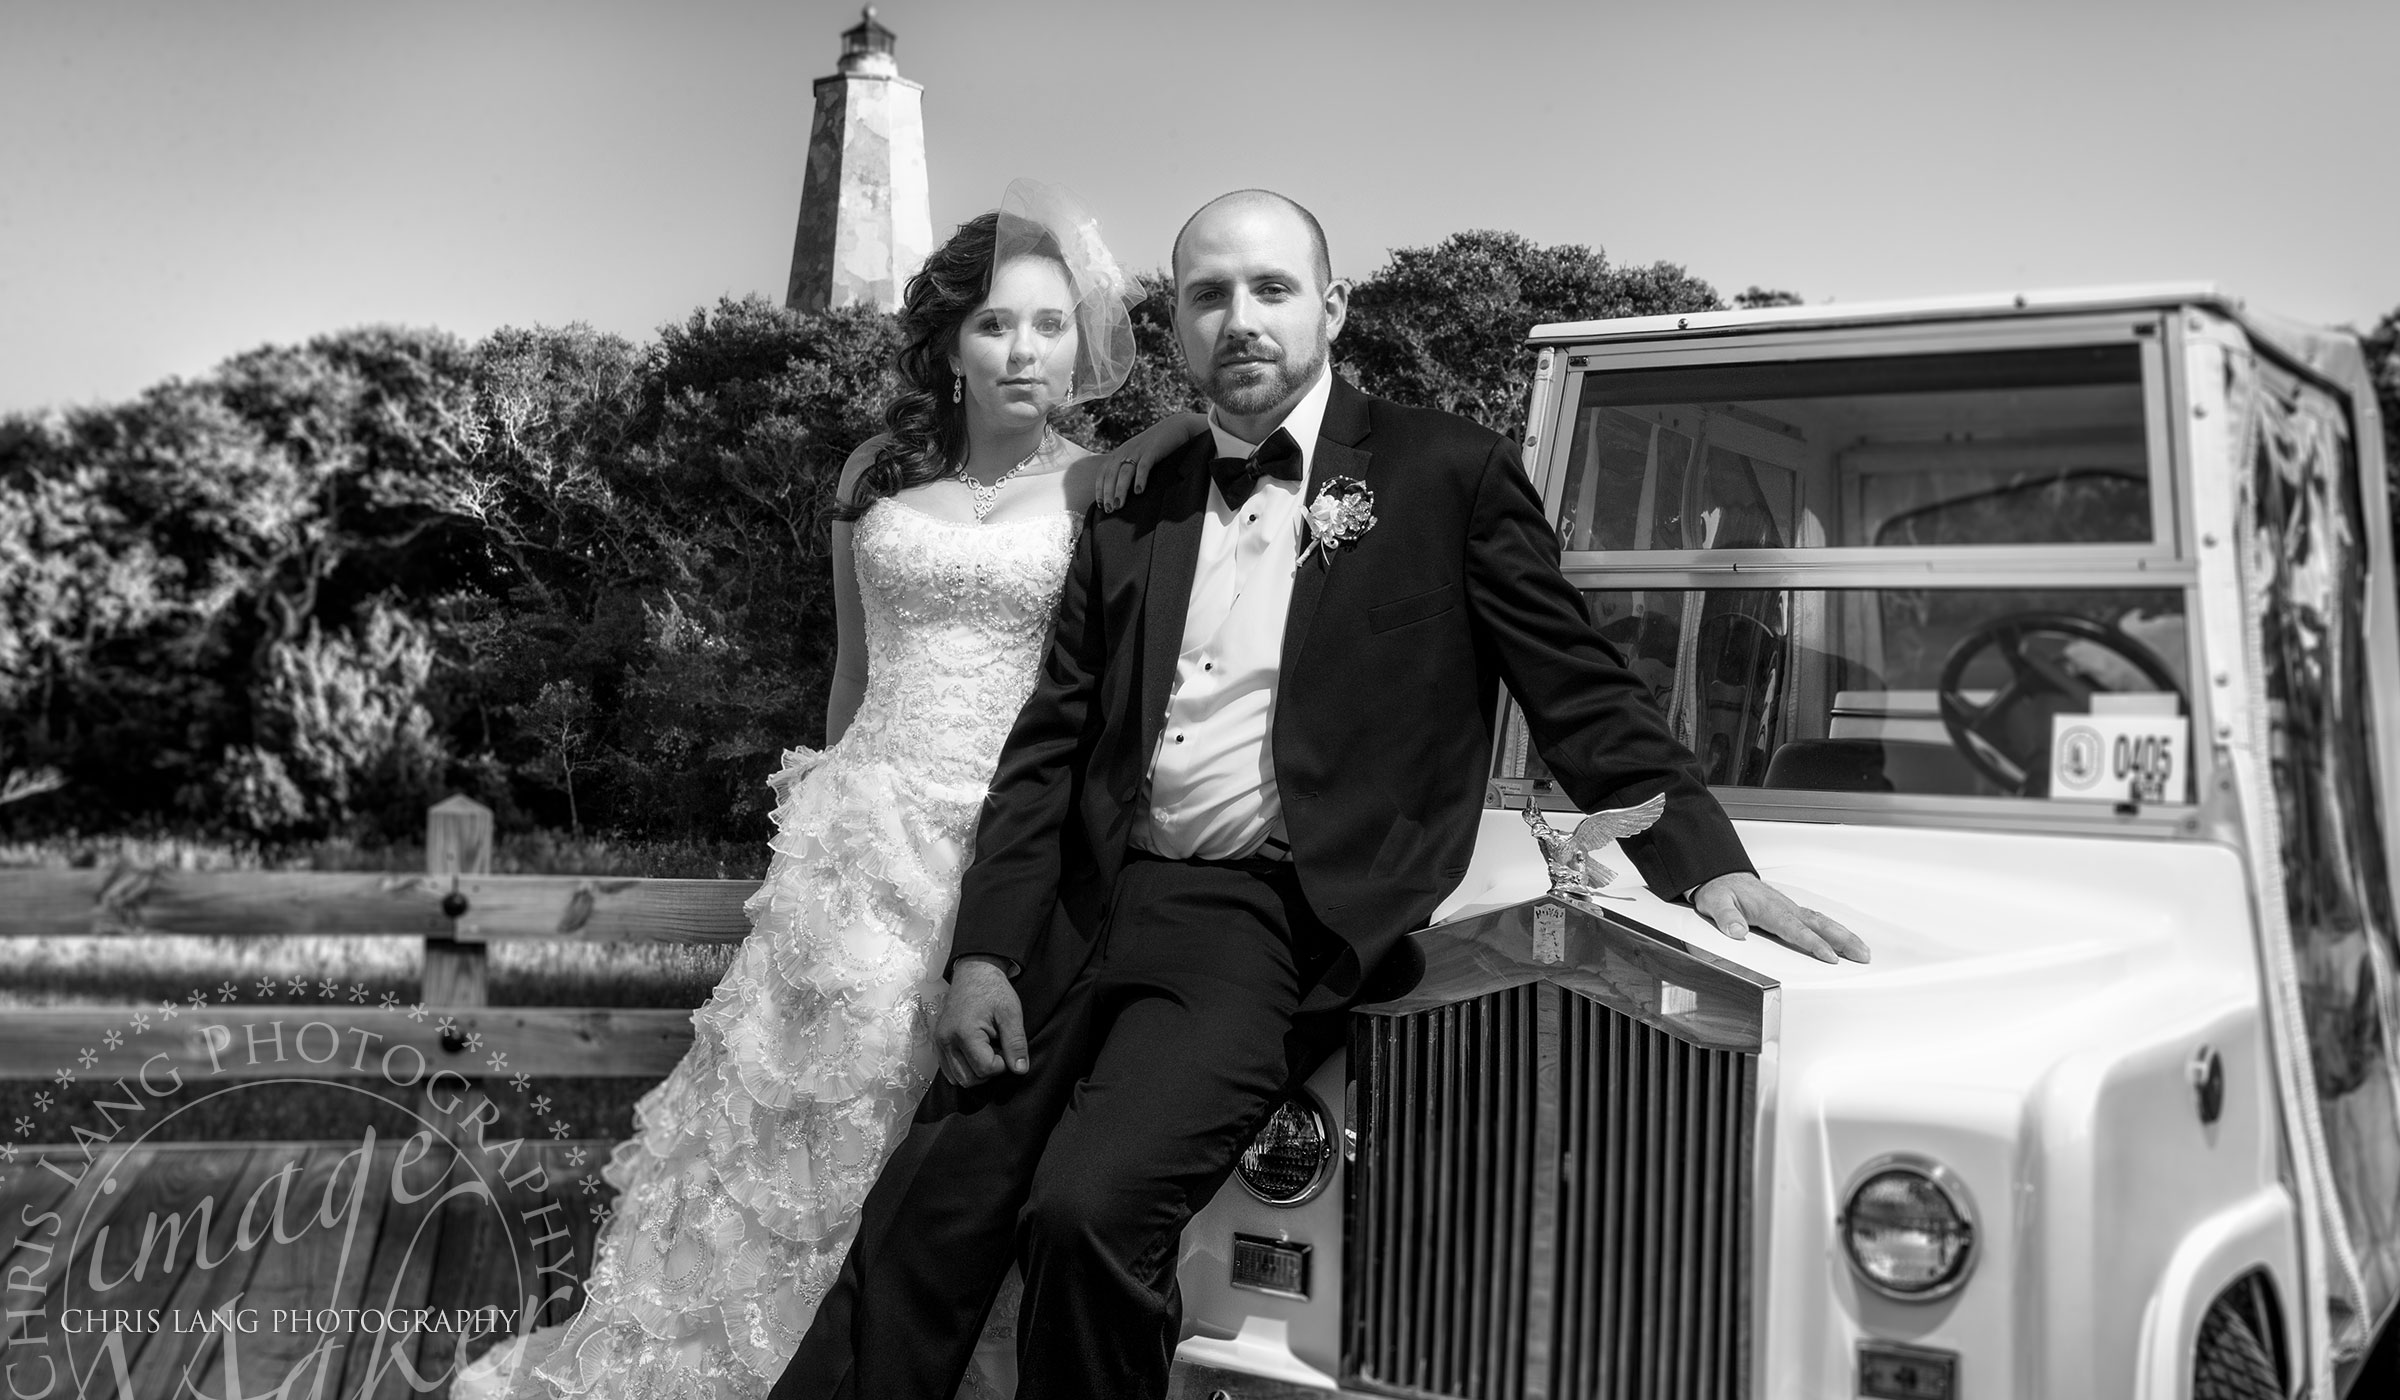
{"x": 739, "y": 1191}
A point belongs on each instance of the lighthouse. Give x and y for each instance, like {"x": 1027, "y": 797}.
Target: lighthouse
{"x": 866, "y": 221}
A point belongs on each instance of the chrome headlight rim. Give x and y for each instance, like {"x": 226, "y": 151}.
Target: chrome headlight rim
{"x": 1953, "y": 1189}
{"x": 1307, "y": 1101}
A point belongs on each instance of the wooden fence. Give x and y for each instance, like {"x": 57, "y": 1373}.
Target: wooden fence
{"x": 523, "y": 1244}
{"x": 457, "y": 907}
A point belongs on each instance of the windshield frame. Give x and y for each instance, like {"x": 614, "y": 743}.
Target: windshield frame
{"x": 2163, "y": 561}
{"x": 2147, "y": 332}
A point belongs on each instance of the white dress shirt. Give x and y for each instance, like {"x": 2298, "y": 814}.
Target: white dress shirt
{"x": 1211, "y": 792}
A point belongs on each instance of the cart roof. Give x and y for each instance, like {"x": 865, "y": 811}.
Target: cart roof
{"x": 2333, "y": 357}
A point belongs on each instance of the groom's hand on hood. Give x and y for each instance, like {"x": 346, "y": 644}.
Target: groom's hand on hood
{"x": 981, "y": 1033}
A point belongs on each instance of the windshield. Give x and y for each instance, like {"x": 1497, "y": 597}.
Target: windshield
{"x": 2005, "y": 447}
{"x": 2030, "y": 643}
{"x": 1948, "y": 692}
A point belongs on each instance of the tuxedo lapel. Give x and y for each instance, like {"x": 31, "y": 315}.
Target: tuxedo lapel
{"x": 1338, "y": 454}
{"x": 1174, "y": 553}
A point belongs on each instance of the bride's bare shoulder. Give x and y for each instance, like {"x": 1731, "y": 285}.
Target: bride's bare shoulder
{"x": 1080, "y": 478}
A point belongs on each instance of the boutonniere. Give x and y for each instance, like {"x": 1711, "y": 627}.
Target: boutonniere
{"x": 1341, "y": 513}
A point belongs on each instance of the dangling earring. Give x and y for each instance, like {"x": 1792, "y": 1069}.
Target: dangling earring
{"x": 1070, "y": 384}
{"x": 957, "y": 388}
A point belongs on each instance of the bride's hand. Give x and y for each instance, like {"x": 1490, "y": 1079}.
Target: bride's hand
{"x": 982, "y": 1029}
{"x": 1127, "y": 469}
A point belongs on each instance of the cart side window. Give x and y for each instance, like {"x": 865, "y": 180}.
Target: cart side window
{"x": 2001, "y": 447}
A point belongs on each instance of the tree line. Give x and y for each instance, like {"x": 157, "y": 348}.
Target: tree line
{"x": 580, "y": 579}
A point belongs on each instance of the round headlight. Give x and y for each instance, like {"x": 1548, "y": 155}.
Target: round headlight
{"x": 1292, "y": 1155}
{"x": 1908, "y": 1229}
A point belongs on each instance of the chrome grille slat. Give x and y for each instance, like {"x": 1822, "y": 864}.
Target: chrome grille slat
{"x": 1705, "y": 1278}
{"x": 1369, "y": 1188}
{"x": 1550, "y": 1201}
{"x": 1517, "y": 1022}
{"x": 1490, "y": 1206}
{"x": 1409, "y": 1300}
{"x": 1574, "y": 1201}
{"x": 1438, "y": 1265}
{"x": 1618, "y": 1115}
{"x": 1693, "y": 1115}
{"x": 1541, "y": 1267}
{"x": 1475, "y": 1336}
{"x": 1675, "y": 1262}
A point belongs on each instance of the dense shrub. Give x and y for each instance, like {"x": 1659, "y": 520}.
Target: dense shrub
{"x": 580, "y": 579}
{"x": 342, "y": 732}
{"x": 1445, "y": 326}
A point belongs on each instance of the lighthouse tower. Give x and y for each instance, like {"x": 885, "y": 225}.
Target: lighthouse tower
{"x": 866, "y": 222}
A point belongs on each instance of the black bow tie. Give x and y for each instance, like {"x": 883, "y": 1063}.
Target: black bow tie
{"x": 1278, "y": 456}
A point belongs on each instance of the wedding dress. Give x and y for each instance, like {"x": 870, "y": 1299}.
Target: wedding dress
{"x": 738, "y": 1194}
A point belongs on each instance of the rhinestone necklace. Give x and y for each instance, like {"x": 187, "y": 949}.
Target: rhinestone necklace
{"x": 987, "y": 495}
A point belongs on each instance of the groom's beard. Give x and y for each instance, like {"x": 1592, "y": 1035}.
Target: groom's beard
{"x": 1246, "y": 389}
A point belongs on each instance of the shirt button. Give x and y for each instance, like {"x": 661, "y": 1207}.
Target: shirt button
{"x": 1179, "y": 738}
{"x": 1208, "y": 665}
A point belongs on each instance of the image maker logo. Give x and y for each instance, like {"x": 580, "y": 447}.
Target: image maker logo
{"x": 243, "y": 1271}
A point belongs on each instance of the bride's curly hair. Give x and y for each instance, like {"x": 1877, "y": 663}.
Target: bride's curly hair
{"x": 928, "y": 431}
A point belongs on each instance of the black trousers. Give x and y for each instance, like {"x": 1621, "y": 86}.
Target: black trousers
{"x": 1146, "y": 1082}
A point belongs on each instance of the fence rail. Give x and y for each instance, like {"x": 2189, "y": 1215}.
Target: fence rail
{"x": 456, "y": 906}
{"x": 248, "y": 1041}
{"x": 596, "y": 909}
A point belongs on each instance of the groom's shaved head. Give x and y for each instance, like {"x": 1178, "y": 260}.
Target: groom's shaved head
{"x": 1248, "y": 200}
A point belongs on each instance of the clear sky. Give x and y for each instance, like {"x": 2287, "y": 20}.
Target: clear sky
{"x": 184, "y": 179}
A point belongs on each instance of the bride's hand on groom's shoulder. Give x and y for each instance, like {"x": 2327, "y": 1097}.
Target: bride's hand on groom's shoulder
{"x": 981, "y": 1033}
{"x": 1127, "y": 470}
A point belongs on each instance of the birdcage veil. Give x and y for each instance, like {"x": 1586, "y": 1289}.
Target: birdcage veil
{"x": 1049, "y": 221}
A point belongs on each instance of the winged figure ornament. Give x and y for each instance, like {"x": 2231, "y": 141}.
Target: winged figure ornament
{"x": 1573, "y": 856}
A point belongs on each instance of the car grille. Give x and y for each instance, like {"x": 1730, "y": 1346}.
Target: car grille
{"x": 1550, "y": 1201}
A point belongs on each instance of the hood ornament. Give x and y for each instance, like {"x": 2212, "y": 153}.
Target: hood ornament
{"x": 1573, "y": 856}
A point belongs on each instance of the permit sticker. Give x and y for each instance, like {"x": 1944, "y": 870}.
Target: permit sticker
{"x": 2120, "y": 758}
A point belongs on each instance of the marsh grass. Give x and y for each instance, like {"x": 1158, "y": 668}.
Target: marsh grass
{"x": 138, "y": 971}
{"x": 514, "y": 853}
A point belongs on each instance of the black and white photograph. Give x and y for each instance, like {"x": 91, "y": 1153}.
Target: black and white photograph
{"x": 774, "y": 700}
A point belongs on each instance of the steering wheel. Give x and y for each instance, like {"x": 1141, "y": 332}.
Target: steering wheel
{"x": 2007, "y": 738}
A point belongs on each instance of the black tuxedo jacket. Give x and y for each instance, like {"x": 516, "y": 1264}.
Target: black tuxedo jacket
{"x": 1383, "y": 716}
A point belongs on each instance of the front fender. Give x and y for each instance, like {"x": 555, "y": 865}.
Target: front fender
{"x": 2092, "y": 1175}
{"x": 2258, "y": 1233}
{"x": 2127, "y": 1176}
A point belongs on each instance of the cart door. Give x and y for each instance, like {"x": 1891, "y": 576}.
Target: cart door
{"x": 2305, "y": 557}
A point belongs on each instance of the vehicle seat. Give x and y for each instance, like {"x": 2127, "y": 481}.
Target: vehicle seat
{"x": 1829, "y": 765}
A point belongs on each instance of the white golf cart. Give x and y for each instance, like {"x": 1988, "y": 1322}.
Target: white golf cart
{"x": 2034, "y": 637}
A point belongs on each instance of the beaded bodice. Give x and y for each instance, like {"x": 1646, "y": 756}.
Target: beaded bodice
{"x": 956, "y": 617}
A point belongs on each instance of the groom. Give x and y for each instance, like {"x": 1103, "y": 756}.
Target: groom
{"x": 1253, "y": 763}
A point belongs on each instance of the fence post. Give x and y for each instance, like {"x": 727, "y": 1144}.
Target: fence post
{"x": 458, "y": 841}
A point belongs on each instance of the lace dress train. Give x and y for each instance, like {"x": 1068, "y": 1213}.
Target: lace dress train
{"x": 740, "y": 1189}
